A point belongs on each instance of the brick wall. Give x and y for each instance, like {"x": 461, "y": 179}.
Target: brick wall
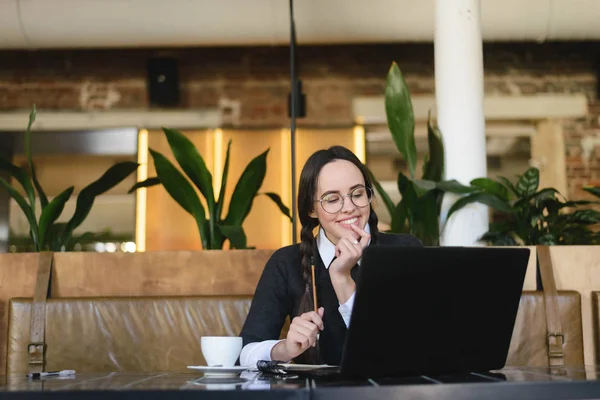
{"x": 255, "y": 82}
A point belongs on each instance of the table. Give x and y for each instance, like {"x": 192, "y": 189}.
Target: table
{"x": 508, "y": 383}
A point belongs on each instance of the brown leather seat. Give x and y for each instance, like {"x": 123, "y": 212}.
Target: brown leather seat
{"x": 125, "y": 334}
{"x": 163, "y": 333}
{"x": 529, "y": 345}
{"x": 596, "y": 323}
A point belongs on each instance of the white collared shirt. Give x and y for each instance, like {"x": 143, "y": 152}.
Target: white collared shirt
{"x": 253, "y": 352}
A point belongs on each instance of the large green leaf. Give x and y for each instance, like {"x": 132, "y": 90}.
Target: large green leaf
{"x": 51, "y": 212}
{"x": 235, "y": 234}
{"x": 387, "y": 201}
{"x": 400, "y": 116}
{"x": 182, "y": 192}
{"x": 43, "y": 197}
{"x": 279, "y": 203}
{"x": 426, "y": 221}
{"x": 485, "y": 198}
{"x": 56, "y": 236}
{"x": 528, "y": 182}
{"x": 586, "y": 217}
{"x": 399, "y": 217}
{"x": 21, "y": 176}
{"x": 492, "y": 187}
{"x": 509, "y": 185}
{"x": 27, "y": 210}
{"x": 499, "y": 238}
{"x": 246, "y": 189}
{"x": 409, "y": 203}
{"x": 85, "y": 200}
{"x": 595, "y": 190}
{"x": 434, "y": 167}
{"x": 144, "y": 184}
{"x": 193, "y": 165}
{"x": 221, "y": 199}
{"x": 453, "y": 186}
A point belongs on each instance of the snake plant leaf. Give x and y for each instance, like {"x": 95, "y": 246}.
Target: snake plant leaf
{"x": 235, "y": 234}
{"x": 387, "y": 201}
{"x": 38, "y": 187}
{"x": 182, "y": 192}
{"x": 399, "y": 216}
{"x": 400, "y": 116}
{"x": 21, "y": 176}
{"x": 409, "y": 199}
{"x": 479, "y": 197}
{"x": 528, "y": 182}
{"x": 246, "y": 189}
{"x": 277, "y": 200}
{"x": 192, "y": 163}
{"x": 51, "y": 212}
{"x": 155, "y": 180}
{"x": 434, "y": 166}
{"x": 426, "y": 222}
{"x": 492, "y": 187}
{"x": 56, "y": 236}
{"x": 85, "y": 200}
{"x": 221, "y": 199}
{"x": 27, "y": 210}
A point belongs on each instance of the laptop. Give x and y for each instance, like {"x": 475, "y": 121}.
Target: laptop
{"x": 433, "y": 310}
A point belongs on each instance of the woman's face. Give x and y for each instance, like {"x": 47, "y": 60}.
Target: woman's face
{"x": 340, "y": 179}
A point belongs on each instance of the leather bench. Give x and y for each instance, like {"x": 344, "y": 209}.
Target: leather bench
{"x": 147, "y": 334}
{"x": 529, "y": 341}
{"x": 153, "y": 334}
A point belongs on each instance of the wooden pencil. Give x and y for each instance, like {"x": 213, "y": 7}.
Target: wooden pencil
{"x": 314, "y": 287}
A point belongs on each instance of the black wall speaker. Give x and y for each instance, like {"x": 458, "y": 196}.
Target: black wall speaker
{"x": 163, "y": 82}
{"x": 300, "y": 102}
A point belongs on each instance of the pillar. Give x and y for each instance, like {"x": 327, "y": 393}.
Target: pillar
{"x": 459, "y": 97}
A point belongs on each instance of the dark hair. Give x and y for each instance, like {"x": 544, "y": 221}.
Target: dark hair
{"x": 307, "y": 188}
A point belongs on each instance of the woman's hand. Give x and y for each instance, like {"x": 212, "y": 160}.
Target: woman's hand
{"x": 349, "y": 250}
{"x": 301, "y": 335}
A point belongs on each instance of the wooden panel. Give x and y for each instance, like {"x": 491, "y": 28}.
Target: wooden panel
{"x": 233, "y": 272}
{"x": 168, "y": 225}
{"x": 548, "y": 152}
{"x": 17, "y": 279}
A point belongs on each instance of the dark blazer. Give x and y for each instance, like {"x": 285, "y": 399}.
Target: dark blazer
{"x": 281, "y": 287}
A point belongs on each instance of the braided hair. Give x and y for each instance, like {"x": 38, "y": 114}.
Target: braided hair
{"x": 307, "y": 190}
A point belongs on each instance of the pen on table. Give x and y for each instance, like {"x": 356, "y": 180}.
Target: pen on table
{"x": 65, "y": 372}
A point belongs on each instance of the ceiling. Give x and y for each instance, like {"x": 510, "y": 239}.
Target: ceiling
{"x": 38, "y": 24}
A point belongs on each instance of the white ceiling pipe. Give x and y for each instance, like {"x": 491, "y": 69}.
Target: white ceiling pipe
{"x": 38, "y": 24}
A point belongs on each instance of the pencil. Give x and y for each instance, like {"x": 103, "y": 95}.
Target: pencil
{"x": 314, "y": 287}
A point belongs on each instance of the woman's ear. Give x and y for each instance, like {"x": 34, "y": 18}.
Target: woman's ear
{"x": 312, "y": 214}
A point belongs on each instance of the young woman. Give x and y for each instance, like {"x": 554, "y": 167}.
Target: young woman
{"x": 334, "y": 194}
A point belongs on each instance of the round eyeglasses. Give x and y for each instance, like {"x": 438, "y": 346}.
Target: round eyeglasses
{"x": 334, "y": 202}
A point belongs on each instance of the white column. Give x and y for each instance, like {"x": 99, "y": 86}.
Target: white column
{"x": 459, "y": 97}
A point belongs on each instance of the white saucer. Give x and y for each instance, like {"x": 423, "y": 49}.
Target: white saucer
{"x": 219, "y": 372}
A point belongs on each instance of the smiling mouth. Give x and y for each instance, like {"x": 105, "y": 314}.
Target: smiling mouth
{"x": 349, "y": 221}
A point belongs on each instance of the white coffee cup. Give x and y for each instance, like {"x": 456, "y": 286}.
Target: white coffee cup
{"x": 221, "y": 350}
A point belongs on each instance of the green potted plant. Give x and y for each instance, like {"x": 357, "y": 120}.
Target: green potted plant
{"x": 46, "y": 233}
{"x": 530, "y": 215}
{"x": 214, "y": 229}
{"x": 418, "y": 211}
